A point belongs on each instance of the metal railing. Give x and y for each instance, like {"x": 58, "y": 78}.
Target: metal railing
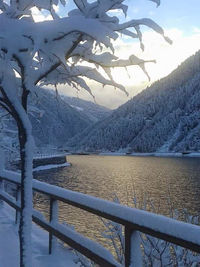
{"x": 134, "y": 220}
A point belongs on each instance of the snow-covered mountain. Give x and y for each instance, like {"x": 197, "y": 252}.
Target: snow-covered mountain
{"x": 93, "y": 111}
{"x": 54, "y": 119}
{"x": 164, "y": 117}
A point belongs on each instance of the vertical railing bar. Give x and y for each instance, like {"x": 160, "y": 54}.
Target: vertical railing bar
{"x": 50, "y": 233}
{"x": 53, "y": 219}
{"x": 127, "y": 233}
{"x": 2, "y": 167}
{"x": 133, "y": 256}
{"x": 18, "y": 198}
{"x": 1, "y": 188}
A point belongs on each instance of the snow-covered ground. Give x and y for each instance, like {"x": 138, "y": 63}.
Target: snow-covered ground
{"x": 112, "y": 154}
{"x": 158, "y": 154}
{"x": 51, "y": 166}
{"x": 168, "y": 154}
{"x": 9, "y": 245}
{"x": 153, "y": 154}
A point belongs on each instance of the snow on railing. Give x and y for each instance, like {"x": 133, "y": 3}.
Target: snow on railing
{"x": 134, "y": 220}
{"x": 49, "y": 155}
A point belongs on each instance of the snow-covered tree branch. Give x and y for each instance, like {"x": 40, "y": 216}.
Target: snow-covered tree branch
{"x": 62, "y": 50}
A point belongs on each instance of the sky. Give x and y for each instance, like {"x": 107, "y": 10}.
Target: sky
{"x": 181, "y": 22}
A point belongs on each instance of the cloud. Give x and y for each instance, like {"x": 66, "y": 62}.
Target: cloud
{"x": 135, "y": 10}
{"x": 39, "y": 15}
{"x": 168, "y": 57}
{"x": 151, "y": 13}
{"x": 196, "y": 30}
{"x": 56, "y": 8}
{"x": 106, "y": 96}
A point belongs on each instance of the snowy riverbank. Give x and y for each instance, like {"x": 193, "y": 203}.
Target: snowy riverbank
{"x": 9, "y": 245}
{"x": 153, "y": 154}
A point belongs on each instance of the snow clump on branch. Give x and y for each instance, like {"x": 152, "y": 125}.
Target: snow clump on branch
{"x": 53, "y": 52}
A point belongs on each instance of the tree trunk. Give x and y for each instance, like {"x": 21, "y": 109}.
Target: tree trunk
{"x": 26, "y": 154}
{"x": 18, "y": 111}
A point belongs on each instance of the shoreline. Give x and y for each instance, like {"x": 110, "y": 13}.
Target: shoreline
{"x": 137, "y": 154}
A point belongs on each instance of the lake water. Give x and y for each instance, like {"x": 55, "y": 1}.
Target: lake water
{"x": 164, "y": 184}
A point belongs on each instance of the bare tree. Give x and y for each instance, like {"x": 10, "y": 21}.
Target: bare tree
{"x": 62, "y": 50}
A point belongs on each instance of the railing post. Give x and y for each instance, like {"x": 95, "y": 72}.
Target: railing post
{"x": 2, "y": 160}
{"x": 18, "y": 200}
{"x": 1, "y": 188}
{"x": 133, "y": 256}
{"x": 53, "y": 220}
{"x": 2, "y": 167}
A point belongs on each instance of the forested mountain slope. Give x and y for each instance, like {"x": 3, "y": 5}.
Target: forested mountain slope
{"x": 53, "y": 120}
{"x": 164, "y": 117}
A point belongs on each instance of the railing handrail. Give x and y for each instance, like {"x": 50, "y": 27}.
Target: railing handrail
{"x": 93, "y": 250}
{"x": 180, "y": 233}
